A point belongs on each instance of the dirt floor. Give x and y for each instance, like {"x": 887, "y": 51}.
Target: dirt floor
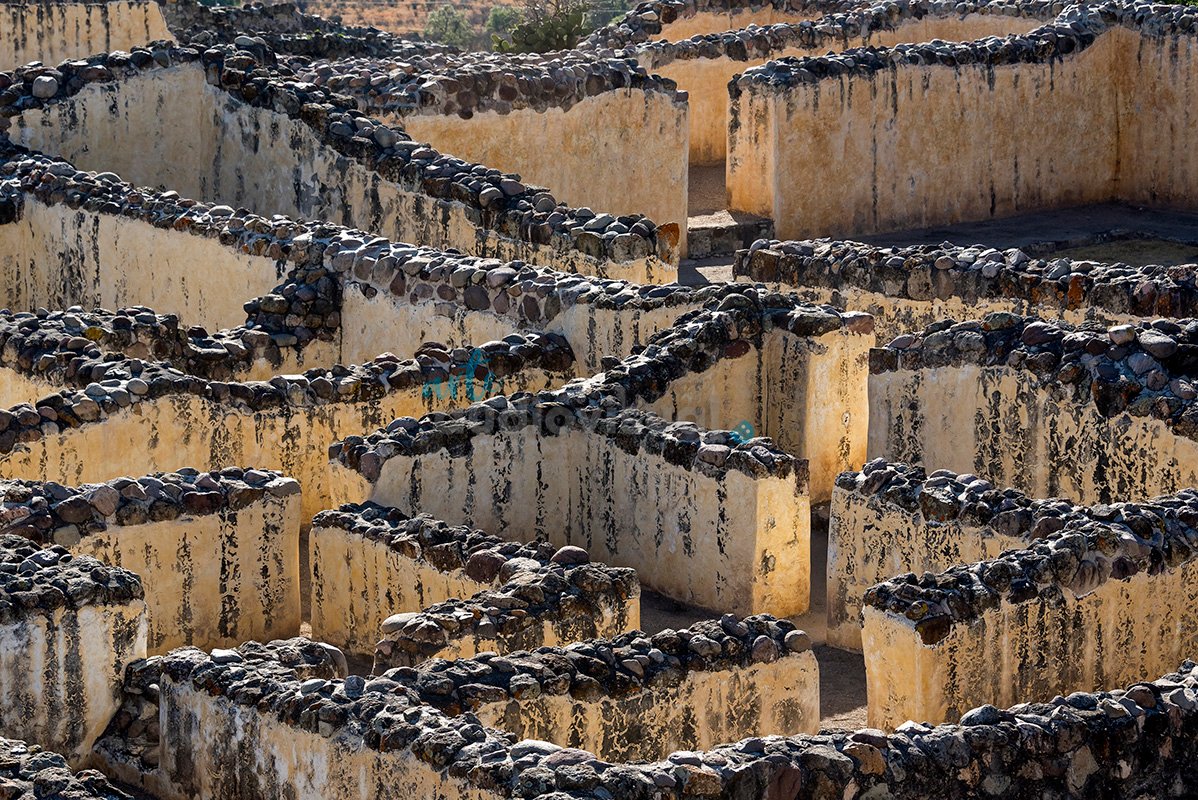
{"x": 705, "y": 191}
{"x": 1136, "y": 252}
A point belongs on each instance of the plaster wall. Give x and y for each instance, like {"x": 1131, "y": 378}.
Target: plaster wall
{"x": 55, "y": 32}
{"x": 997, "y": 423}
{"x": 870, "y": 541}
{"x": 705, "y": 80}
{"x": 704, "y": 710}
{"x": 1031, "y": 651}
{"x": 732, "y": 543}
{"x": 1022, "y": 137}
{"x": 57, "y": 257}
{"x": 358, "y": 582}
{"x": 212, "y": 748}
{"x": 175, "y": 431}
{"x": 621, "y": 152}
{"x": 61, "y": 673}
{"x": 214, "y": 580}
{"x": 809, "y": 394}
{"x": 169, "y": 128}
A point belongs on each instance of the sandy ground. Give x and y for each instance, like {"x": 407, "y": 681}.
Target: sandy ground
{"x": 705, "y": 191}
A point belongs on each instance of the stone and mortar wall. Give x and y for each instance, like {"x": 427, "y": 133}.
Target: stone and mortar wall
{"x": 214, "y": 109}
{"x": 51, "y": 32}
{"x": 282, "y": 725}
{"x": 68, "y": 627}
{"x": 29, "y": 771}
{"x": 907, "y": 289}
{"x": 218, "y": 553}
{"x": 890, "y": 519}
{"x": 1051, "y": 107}
{"x": 711, "y": 524}
{"x": 1106, "y": 599}
{"x": 640, "y": 697}
{"x": 378, "y": 574}
{"x": 1088, "y": 413}
{"x": 703, "y": 65}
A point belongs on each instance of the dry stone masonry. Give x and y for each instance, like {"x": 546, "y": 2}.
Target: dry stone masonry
{"x": 356, "y": 430}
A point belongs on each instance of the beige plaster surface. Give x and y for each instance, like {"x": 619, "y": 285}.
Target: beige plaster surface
{"x": 55, "y": 32}
{"x": 214, "y": 580}
{"x": 1024, "y": 136}
{"x": 1114, "y": 635}
{"x": 61, "y": 674}
{"x": 168, "y": 128}
{"x": 734, "y": 543}
{"x": 997, "y": 423}
{"x": 622, "y": 151}
{"x": 706, "y": 709}
{"x": 870, "y": 541}
{"x": 57, "y": 257}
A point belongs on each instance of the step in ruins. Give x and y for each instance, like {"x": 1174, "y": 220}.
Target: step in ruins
{"x": 364, "y": 430}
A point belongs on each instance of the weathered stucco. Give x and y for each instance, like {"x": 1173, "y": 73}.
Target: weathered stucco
{"x": 806, "y": 393}
{"x": 54, "y": 32}
{"x": 705, "y": 709}
{"x": 574, "y": 150}
{"x": 169, "y": 128}
{"x": 732, "y": 543}
{"x": 212, "y": 580}
{"x": 57, "y": 257}
{"x": 1031, "y": 651}
{"x": 705, "y": 80}
{"x": 61, "y": 673}
{"x": 998, "y": 423}
{"x": 870, "y": 541}
{"x": 1025, "y": 136}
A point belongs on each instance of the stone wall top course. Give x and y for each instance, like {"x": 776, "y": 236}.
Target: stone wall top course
{"x": 37, "y": 580}
{"x": 1075, "y": 29}
{"x": 50, "y": 512}
{"x": 973, "y": 273}
{"x": 1146, "y": 369}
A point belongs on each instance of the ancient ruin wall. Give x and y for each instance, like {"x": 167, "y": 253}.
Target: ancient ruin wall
{"x": 622, "y": 151}
{"x": 206, "y": 143}
{"x": 746, "y": 535}
{"x": 705, "y": 79}
{"x": 51, "y": 32}
{"x": 1103, "y": 600}
{"x": 110, "y": 261}
{"x": 63, "y": 653}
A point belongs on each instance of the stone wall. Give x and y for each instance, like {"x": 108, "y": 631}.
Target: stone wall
{"x": 907, "y": 289}
{"x": 338, "y": 165}
{"x": 29, "y": 770}
{"x": 378, "y": 574}
{"x": 54, "y": 32}
{"x": 68, "y": 627}
{"x": 1091, "y": 414}
{"x": 296, "y": 730}
{"x": 856, "y": 121}
{"x": 1106, "y": 599}
{"x": 218, "y": 552}
{"x": 631, "y": 489}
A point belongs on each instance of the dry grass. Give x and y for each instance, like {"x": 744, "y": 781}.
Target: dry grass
{"x": 404, "y": 17}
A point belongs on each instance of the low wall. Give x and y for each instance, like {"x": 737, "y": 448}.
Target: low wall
{"x": 1105, "y": 600}
{"x": 427, "y": 589}
{"x": 1043, "y": 407}
{"x": 63, "y": 653}
{"x": 28, "y": 769}
{"x": 623, "y": 151}
{"x": 640, "y": 697}
{"x": 218, "y": 554}
{"x": 801, "y": 126}
{"x": 891, "y": 519}
{"x": 711, "y": 525}
{"x": 54, "y": 32}
{"x": 272, "y": 737}
{"x": 907, "y": 289}
{"x": 338, "y": 166}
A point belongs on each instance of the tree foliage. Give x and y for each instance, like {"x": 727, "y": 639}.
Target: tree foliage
{"x": 449, "y": 26}
{"x": 503, "y": 19}
{"x": 546, "y": 25}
